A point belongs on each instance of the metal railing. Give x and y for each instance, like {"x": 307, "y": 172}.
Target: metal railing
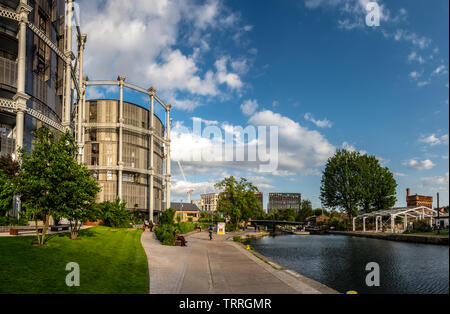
{"x": 8, "y": 72}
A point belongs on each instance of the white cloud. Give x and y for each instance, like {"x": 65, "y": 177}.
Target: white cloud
{"x": 419, "y": 164}
{"x": 434, "y": 140}
{"x": 399, "y": 174}
{"x": 319, "y": 123}
{"x": 249, "y": 107}
{"x": 300, "y": 149}
{"x": 224, "y": 77}
{"x": 436, "y": 181}
{"x": 413, "y": 56}
{"x": 442, "y": 69}
{"x": 415, "y": 75}
{"x": 147, "y": 32}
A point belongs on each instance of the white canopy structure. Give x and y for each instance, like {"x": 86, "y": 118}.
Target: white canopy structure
{"x": 412, "y": 213}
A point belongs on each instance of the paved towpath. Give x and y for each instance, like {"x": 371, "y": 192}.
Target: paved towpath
{"x": 219, "y": 266}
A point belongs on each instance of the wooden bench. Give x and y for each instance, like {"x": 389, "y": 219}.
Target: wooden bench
{"x": 16, "y": 230}
{"x": 59, "y": 228}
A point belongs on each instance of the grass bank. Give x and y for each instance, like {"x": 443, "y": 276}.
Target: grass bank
{"x": 110, "y": 260}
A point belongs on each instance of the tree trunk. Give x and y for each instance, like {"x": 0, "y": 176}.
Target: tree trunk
{"x": 45, "y": 228}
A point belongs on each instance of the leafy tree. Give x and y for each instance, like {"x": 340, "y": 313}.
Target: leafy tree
{"x": 42, "y": 180}
{"x": 378, "y": 186}
{"x": 167, "y": 217}
{"x": 6, "y": 194}
{"x": 79, "y": 191}
{"x": 9, "y": 166}
{"x": 9, "y": 170}
{"x": 341, "y": 182}
{"x": 114, "y": 214}
{"x": 305, "y": 210}
{"x": 288, "y": 215}
{"x": 237, "y": 200}
{"x": 351, "y": 181}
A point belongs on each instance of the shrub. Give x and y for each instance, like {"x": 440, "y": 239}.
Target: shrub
{"x": 167, "y": 217}
{"x": 421, "y": 226}
{"x": 185, "y": 227}
{"x": 114, "y": 214}
{"x": 237, "y": 239}
{"x": 164, "y": 233}
{"x": 11, "y": 221}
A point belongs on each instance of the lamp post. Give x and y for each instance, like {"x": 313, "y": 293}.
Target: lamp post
{"x": 439, "y": 214}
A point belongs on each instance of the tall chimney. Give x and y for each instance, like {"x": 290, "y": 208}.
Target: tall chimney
{"x": 407, "y": 192}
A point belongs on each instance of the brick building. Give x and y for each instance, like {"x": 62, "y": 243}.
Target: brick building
{"x": 418, "y": 200}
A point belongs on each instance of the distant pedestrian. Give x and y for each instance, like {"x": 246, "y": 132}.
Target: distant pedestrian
{"x": 150, "y": 225}
{"x": 210, "y": 232}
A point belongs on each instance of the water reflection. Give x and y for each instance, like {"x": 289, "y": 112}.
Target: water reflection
{"x": 340, "y": 261}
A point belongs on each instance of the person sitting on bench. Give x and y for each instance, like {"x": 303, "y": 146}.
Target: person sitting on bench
{"x": 179, "y": 237}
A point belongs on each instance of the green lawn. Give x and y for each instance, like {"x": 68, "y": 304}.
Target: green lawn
{"x": 111, "y": 261}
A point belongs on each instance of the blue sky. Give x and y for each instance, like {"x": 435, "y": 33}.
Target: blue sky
{"x": 313, "y": 68}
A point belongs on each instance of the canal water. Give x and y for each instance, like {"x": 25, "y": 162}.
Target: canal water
{"x": 340, "y": 262}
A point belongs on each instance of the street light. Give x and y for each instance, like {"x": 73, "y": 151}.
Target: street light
{"x": 439, "y": 212}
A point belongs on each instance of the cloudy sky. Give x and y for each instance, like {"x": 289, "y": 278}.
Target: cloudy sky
{"x": 312, "y": 68}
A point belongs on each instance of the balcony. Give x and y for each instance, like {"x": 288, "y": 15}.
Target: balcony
{"x": 8, "y": 72}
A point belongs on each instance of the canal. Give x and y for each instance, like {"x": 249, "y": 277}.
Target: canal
{"x": 340, "y": 262}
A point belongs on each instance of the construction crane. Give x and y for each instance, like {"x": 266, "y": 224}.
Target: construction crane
{"x": 189, "y": 193}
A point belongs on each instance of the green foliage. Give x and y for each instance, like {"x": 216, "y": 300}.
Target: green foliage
{"x": 352, "y": 181}
{"x": 114, "y": 214}
{"x": 6, "y": 194}
{"x": 11, "y": 221}
{"x": 287, "y": 215}
{"x": 185, "y": 227}
{"x": 167, "y": 217}
{"x": 306, "y": 210}
{"x": 9, "y": 166}
{"x": 164, "y": 233}
{"x": 421, "y": 226}
{"x": 237, "y": 239}
{"x": 9, "y": 170}
{"x": 238, "y": 201}
{"x": 43, "y": 179}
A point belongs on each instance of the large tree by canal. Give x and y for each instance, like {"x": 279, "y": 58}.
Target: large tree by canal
{"x": 238, "y": 200}
{"x": 352, "y": 181}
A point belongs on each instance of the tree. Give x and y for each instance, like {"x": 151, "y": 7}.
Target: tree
{"x": 78, "y": 192}
{"x": 352, "y": 181}
{"x": 238, "y": 200}
{"x": 6, "y": 194}
{"x": 167, "y": 217}
{"x": 9, "y": 166}
{"x": 341, "y": 182}
{"x": 51, "y": 183}
{"x": 305, "y": 210}
{"x": 9, "y": 170}
{"x": 378, "y": 186}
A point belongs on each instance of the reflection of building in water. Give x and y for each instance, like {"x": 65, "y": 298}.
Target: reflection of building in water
{"x": 418, "y": 200}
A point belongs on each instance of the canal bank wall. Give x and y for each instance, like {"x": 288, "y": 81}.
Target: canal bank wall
{"x": 424, "y": 239}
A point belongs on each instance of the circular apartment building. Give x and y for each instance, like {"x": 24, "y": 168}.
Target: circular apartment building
{"x": 125, "y": 175}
